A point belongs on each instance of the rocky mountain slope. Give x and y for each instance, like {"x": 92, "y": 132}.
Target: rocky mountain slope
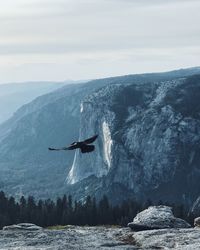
{"x": 26, "y": 165}
{"x": 149, "y": 138}
{"x": 147, "y": 126}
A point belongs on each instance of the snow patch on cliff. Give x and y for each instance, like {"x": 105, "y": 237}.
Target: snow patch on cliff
{"x": 81, "y": 108}
{"x": 71, "y": 178}
{"x": 107, "y": 143}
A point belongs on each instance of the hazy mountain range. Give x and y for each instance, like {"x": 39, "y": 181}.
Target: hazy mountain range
{"x": 148, "y": 145}
{"x": 14, "y": 95}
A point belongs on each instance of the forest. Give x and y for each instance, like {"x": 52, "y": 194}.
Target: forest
{"x": 66, "y": 211}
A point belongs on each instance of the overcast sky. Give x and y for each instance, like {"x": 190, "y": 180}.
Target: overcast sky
{"x": 84, "y": 39}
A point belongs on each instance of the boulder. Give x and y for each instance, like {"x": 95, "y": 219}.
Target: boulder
{"x": 23, "y": 226}
{"x": 157, "y": 217}
{"x": 167, "y": 239}
{"x": 197, "y": 222}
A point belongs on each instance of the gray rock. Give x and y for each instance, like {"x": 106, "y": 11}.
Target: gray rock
{"x": 181, "y": 239}
{"x": 72, "y": 238}
{"x": 104, "y": 238}
{"x": 22, "y": 226}
{"x": 157, "y": 217}
{"x": 197, "y": 222}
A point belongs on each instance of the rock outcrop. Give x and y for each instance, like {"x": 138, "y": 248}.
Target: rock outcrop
{"x": 180, "y": 239}
{"x": 22, "y": 226}
{"x": 197, "y": 222}
{"x": 157, "y": 217}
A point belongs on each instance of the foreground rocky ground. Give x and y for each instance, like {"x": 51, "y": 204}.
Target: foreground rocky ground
{"x": 165, "y": 231}
{"x": 74, "y": 237}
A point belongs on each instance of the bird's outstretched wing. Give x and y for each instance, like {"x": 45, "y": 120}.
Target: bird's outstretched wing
{"x": 90, "y": 140}
{"x": 57, "y": 149}
{"x": 87, "y": 148}
{"x": 74, "y": 145}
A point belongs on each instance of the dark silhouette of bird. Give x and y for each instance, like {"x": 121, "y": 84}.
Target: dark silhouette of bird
{"x": 83, "y": 145}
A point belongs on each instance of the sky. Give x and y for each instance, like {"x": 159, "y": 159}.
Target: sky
{"x": 57, "y": 40}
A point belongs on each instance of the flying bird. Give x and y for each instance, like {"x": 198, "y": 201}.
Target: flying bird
{"x": 83, "y": 145}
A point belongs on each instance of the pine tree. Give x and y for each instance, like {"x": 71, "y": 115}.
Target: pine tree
{"x": 23, "y": 210}
{"x": 104, "y": 211}
{"x": 12, "y": 210}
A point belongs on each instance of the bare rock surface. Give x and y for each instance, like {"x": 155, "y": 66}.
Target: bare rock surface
{"x": 181, "y": 239}
{"x": 197, "y": 222}
{"x": 72, "y": 237}
{"x": 82, "y": 238}
{"x": 23, "y": 226}
{"x": 157, "y": 217}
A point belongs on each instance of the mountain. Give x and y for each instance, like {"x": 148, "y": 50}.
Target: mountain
{"x": 149, "y": 139}
{"x": 145, "y": 124}
{"x": 14, "y": 95}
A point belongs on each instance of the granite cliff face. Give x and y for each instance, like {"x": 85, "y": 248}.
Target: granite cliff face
{"x": 149, "y": 138}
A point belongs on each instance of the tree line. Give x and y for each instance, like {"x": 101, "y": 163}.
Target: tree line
{"x": 65, "y": 211}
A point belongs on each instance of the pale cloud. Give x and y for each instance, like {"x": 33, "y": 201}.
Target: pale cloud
{"x": 81, "y": 38}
